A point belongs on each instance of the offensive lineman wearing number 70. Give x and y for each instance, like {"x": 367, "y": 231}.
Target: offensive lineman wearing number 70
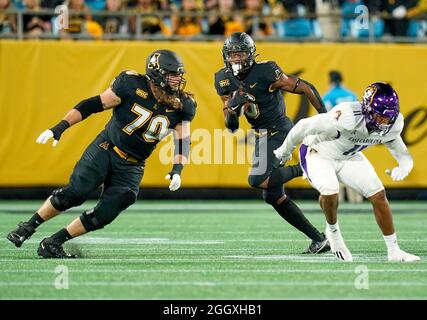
{"x": 331, "y": 152}
{"x": 145, "y": 109}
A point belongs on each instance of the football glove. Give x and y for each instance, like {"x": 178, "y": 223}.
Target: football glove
{"x": 54, "y": 133}
{"x": 175, "y": 177}
{"x": 281, "y": 155}
{"x": 45, "y": 136}
{"x": 237, "y": 99}
{"x": 397, "y": 173}
{"x": 175, "y": 181}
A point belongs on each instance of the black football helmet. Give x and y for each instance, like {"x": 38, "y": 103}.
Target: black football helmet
{"x": 166, "y": 69}
{"x": 238, "y": 42}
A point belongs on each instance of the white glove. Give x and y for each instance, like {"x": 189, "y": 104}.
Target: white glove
{"x": 397, "y": 173}
{"x": 399, "y": 12}
{"x": 45, "y": 136}
{"x": 175, "y": 181}
{"x": 279, "y": 153}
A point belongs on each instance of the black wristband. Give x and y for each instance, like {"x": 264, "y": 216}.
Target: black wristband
{"x": 59, "y": 129}
{"x": 176, "y": 169}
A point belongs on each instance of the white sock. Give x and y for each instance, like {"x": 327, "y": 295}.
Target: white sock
{"x": 335, "y": 231}
{"x": 391, "y": 242}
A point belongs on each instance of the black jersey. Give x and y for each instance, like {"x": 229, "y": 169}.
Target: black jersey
{"x": 268, "y": 109}
{"x": 139, "y": 122}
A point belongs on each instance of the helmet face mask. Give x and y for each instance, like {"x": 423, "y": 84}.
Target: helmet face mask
{"x": 166, "y": 70}
{"x": 380, "y": 107}
{"x": 238, "y": 53}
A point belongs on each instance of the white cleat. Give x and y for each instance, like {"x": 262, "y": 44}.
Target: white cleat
{"x": 402, "y": 256}
{"x": 338, "y": 247}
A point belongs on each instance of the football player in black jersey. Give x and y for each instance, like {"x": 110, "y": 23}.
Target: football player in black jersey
{"x": 146, "y": 107}
{"x": 255, "y": 89}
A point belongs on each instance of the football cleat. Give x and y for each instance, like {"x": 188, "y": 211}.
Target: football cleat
{"x": 48, "y": 248}
{"x": 402, "y": 256}
{"x": 343, "y": 254}
{"x": 20, "y": 234}
{"x": 338, "y": 247}
{"x": 318, "y": 246}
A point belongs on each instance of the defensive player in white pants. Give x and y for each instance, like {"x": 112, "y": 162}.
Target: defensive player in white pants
{"x": 331, "y": 153}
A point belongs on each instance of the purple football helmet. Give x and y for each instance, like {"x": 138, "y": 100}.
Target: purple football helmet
{"x": 380, "y": 107}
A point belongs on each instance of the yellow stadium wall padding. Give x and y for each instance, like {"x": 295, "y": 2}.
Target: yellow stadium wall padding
{"x": 41, "y": 80}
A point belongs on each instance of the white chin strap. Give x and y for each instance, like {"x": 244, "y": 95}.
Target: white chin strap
{"x": 236, "y": 68}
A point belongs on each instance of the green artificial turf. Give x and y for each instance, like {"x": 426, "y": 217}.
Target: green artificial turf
{"x": 214, "y": 250}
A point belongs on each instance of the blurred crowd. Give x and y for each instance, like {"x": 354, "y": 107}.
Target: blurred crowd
{"x": 323, "y": 19}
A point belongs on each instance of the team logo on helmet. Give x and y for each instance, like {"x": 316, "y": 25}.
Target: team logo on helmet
{"x": 369, "y": 95}
{"x": 154, "y": 62}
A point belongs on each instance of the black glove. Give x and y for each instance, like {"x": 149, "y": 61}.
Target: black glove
{"x": 237, "y": 99}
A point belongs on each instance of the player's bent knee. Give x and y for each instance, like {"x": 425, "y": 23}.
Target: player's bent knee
{"x": 66, "y": 198}
{"x": 255, "y": 181}
{"x": 271, "y": 196}
{"x": 378, "y": 196}
{"x": 113, "y": 201}
{"x": 91, "y": 221}
{"x": 129, "y": 197}
{"x": 329, "y": 190}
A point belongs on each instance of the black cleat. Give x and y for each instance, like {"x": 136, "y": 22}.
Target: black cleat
{"x": 20, "y": 234}
{"x": 318, "y": 247}
{"x": 50, "y": 249}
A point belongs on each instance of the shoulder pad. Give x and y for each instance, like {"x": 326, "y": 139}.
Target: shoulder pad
{"x": 222, "y": 82}
{"x": 344, "y": 115}
{"x": 189, "y": 106}
{"x": 263, "y": 61}
{"x": 398, "y": 125}
{"x": 120, "y": 85}
{"x": 132, "y": 73}
{"x": 269, "y": 72}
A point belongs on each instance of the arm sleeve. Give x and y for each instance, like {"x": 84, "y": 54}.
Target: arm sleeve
{"x": 119, "y": 85}
{"x": 399, "y": 152}
{"x": 319, "y": 124}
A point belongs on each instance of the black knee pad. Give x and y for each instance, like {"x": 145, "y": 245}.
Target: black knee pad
{"x": 271, "y": 195}
{"x": 66, "y": 198}
{"x": 90, "y": 221}
{"x": 256, "y": 180}
{"x": 113, "y": 201}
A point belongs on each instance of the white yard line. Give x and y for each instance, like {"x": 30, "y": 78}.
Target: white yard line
{"x": 329, "y": 258}
{"x": 171, "y": 283}
{"x": 331, "y": 271}
{"x": 130, "y": 241}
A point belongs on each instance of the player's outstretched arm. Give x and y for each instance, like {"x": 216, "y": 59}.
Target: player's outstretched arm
{"x": 81, "y": 111}
{"x": 400, "y": 152}
{"x": 181, "y": 154}
{"x": 296, "y": 85}
{"x": 319, "y": 124}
